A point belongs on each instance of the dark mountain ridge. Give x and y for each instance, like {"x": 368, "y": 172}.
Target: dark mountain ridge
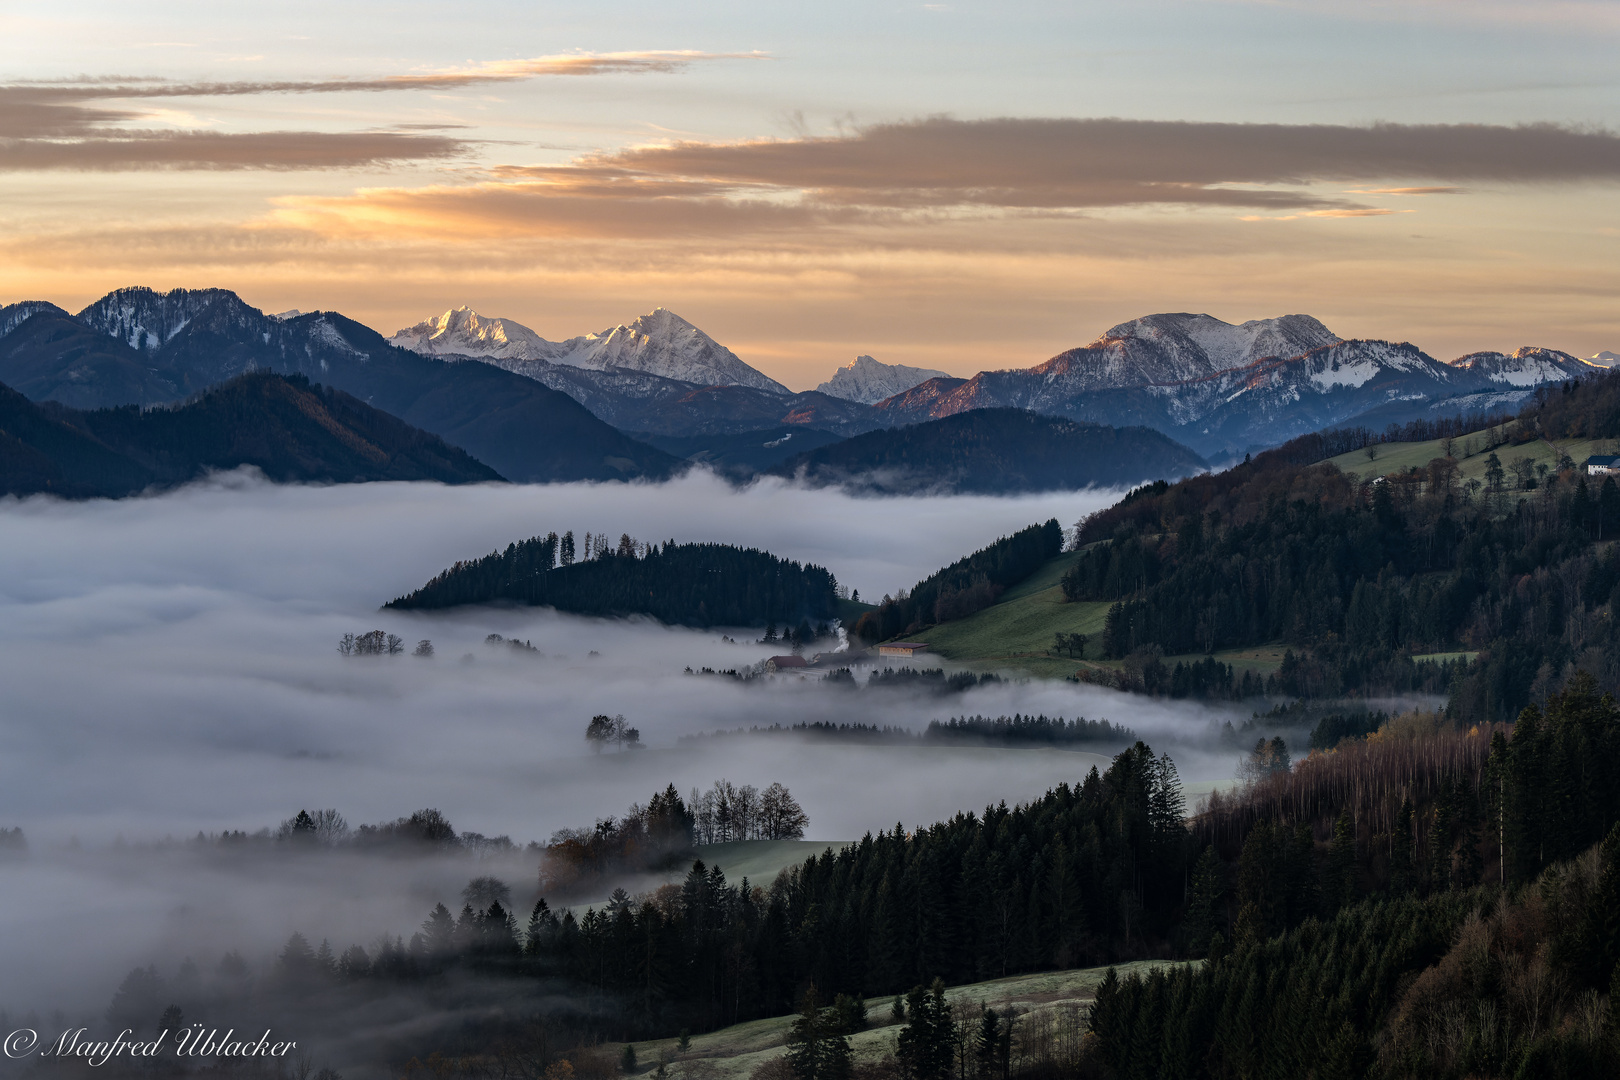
{"x": 992, "y": 452}
{"x": 137, "y": 346}
{"x": 292, "y": 431}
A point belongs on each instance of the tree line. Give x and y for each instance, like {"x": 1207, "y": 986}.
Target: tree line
{"x": 1016, "y": 730}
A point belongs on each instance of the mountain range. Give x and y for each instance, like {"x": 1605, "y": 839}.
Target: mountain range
{"x": 288, "y": 429}
{"x": 659, "y": 343}
{"x": 643, "y": 399}
{"x": 1222, "y": 389}
{"x": 1218, "y": 387}
{"x": 140, "y": 347}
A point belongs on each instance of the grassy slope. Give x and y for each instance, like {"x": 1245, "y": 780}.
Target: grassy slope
{"x": 735, "y": 1052}
{"x": 1017, "y": 632}
{"x": 1398, "y": 457}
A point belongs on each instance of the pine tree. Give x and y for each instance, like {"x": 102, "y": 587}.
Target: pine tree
{"x": 1204, "y": 896}
{"x": 926, "y": 1046}
{"x": 1400, "y": 851}
{"x": 817, "y": 1048}
{"x": 1339, "y": 875}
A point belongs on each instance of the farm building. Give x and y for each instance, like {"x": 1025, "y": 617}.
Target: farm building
{"x": 902, "y": 648}
{"x": 1602, "y": 465}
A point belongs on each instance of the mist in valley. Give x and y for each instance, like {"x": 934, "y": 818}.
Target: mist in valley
{"x": 170, "y": 668}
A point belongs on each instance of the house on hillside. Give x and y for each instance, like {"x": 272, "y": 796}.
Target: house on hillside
{"x": 785, "y": 663}
{"x": 907, "y": 649}
{"x": 1602, "y": 465}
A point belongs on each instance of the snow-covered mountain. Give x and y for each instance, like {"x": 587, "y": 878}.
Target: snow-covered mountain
{"x": 869, "y": 381}
{"x": 1173, "y": 347}
{"x": 1605, "y": 359}
{"x": 1221, "y": 388}
{"x": 658, "y": 343}
{"x": 1528, "y": 366}
{"x": 146, "y": 320}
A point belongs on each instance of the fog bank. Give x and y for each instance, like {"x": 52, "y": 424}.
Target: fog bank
{"x": 170, "y": 667}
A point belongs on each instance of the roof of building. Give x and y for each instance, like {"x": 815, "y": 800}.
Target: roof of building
{"x": 1603, "y": 459}
{"x": 788, "y": 661}
{"x": 904, "y": 645}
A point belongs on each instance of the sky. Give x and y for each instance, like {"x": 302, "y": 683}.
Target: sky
{"x": 170, "y": 667}
{"x": 960, "y": 186}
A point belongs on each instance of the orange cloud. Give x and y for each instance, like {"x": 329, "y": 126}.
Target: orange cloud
{"x": 939, "y": 168}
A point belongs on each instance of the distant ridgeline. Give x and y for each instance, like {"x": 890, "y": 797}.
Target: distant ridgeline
{"x": 967, "y": 585}
{"x": 682, "y": 584}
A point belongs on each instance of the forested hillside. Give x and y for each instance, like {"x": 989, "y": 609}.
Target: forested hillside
{"x": 289, "y": 429}
{"x": 680, "y": 584}
{"x": 970, "y": 584}
{"x": 1420, "y": 903}
{"x": 1359, "y": 576}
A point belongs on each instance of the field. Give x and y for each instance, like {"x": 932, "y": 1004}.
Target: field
{"x": 1471, "y": 453}
{"x": 733, "y": 1053}
{"x": 1017, "y": 631}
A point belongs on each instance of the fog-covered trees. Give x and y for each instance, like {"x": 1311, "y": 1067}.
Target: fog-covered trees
{"x": 325, "y": 827}
{"x": 649, "y": 836}
{"x": 372, "y": 643}
{"x": 603, "y": 729}
{"x": 727, "y": 812}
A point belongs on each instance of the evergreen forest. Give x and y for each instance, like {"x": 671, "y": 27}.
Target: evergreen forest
{"x": 678, "y": 584}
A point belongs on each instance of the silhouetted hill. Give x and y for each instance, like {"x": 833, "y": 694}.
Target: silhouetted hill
{"x": 746, "y": 453}
{"x": 292, "y": 431}
{"x": 992, "y": 451}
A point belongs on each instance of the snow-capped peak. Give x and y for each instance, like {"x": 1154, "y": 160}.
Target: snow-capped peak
{"x": 869, "y": 381}
{"x": 1528, "y": 366}
{"x": 660, "y": 343}
{"x": 1604, "y": 358}
{"x": 1206, "y": 341}
{"x": 462, "y": 331}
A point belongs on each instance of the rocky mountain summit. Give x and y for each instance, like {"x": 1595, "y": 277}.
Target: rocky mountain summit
{"x": 659, "y": 343}
{"x": 870, "y": 381}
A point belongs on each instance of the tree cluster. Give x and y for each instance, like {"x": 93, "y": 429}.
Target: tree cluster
{"x": 679, "y": 584}
{"x": 658, "y": 834}
{"x": 377, "y": 643}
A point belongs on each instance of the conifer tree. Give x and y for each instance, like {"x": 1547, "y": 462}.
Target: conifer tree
{"x": 925, "y": 1047}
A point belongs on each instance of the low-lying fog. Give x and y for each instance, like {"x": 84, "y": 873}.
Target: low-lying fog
{"x": 169, "y": 666}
